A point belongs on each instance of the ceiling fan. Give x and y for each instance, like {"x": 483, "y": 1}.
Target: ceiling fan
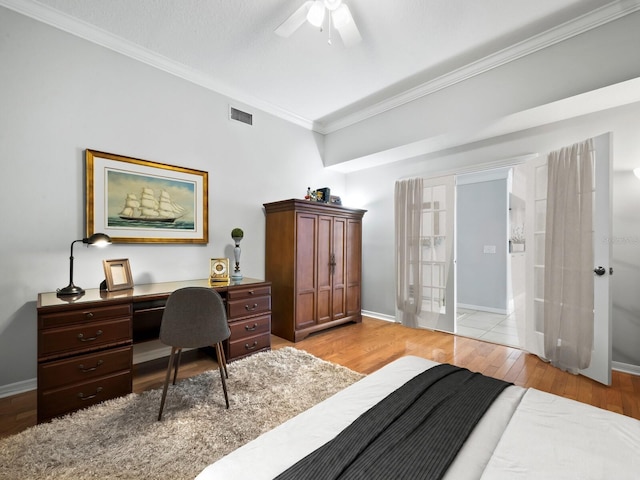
{"x": 314, "y": 12}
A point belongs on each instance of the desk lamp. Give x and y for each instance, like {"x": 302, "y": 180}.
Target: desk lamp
{"x": 98, "y": 239}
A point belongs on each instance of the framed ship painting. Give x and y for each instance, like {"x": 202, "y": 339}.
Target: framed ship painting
{"x": 139, "y": 201}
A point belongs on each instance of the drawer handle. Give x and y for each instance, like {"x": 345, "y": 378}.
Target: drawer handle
{"x": 251, "y": 347}
{"x": 89, "y": 397}
{"x": 248, "y": 308}
{"x": 90, "y": 339}
{"x": 89, "y": 315}
{"x": 250, "y": 292}
{"x": 92, "y": 369}
{"x": 251, "y": 329}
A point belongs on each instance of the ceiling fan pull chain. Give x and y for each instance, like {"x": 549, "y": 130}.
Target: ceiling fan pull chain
{"x": 329, "y": 41}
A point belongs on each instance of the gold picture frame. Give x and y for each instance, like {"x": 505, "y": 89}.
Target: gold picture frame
{"x": 140, "y": 201}
{"x": 117, "y": 274}
{"x": 219, "y": 270}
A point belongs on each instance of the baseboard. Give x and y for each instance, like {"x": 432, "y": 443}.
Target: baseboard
{"x": 626, "y": 368}
{"x": 18, "y": 387}
{"x": 480, "y": 308}
{"x": 379, "y": 316}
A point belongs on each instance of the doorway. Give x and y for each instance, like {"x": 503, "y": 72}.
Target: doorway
{"x": 490, "y": 256}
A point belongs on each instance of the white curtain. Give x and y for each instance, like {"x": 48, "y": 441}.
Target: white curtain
{"x": 568, "y": 280}
{"x": 408, "y": 230}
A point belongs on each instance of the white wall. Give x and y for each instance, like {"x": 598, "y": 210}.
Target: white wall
{"x": 60, "y": 95}
{"x": 375, "y": 188}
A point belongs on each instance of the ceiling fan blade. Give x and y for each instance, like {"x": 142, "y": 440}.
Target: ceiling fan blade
{"x": 346, "y": 26}
{"x": 350, "y": 34}
{"x": 295, "y": 21}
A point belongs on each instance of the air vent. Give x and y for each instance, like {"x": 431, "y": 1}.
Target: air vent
{"x": 240, "y": 116}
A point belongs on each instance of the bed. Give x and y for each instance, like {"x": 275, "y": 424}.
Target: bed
{"x": 524, "y": 434}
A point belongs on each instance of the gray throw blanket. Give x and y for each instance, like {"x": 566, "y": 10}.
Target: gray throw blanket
{"x": 413, "y": 433}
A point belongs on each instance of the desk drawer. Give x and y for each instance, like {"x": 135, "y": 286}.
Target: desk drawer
{"x": 248, "y": 306}
{"x": 235, "y": 293}
{"x": 90, "y": 314}
{"x": 250, "y": 327}
{"x": 78, "y": 338}
{"x": 249, "y": 345}
{"x": 52, "y": 403}
{"x": 83, "y": 368}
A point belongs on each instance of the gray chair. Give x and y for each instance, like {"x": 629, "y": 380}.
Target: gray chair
{"x": 194, "y": 317}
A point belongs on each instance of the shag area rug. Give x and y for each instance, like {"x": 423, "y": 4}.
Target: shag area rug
{"x": 121, "y": 438}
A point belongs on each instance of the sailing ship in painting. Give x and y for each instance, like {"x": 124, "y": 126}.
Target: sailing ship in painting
{"x": 147, "y": 208}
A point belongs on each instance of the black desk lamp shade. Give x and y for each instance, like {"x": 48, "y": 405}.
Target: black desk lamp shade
{"x": 99, "y": 239}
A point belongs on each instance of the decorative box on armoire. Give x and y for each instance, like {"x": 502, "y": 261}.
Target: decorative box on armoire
{"x": 313, "y": 260}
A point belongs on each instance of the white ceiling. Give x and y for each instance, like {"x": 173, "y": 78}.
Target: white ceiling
{"x": 407, "y": 45}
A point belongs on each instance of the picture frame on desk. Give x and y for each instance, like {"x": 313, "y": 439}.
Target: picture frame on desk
{"x": 141, "y": 201}
{"x": 117, "y": 275}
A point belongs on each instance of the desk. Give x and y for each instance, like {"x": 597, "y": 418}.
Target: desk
{"x": 85, "y": 344}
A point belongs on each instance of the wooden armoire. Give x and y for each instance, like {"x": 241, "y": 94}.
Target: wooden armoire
{"x": 313, "y": 260}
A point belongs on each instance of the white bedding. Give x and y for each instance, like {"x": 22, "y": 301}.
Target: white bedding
{"x": 554, "y": 437}
{"x": 524, "y": 444}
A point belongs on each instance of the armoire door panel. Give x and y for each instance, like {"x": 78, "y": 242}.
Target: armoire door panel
{"x": 307, "y": 226}
{"x": 339, "y": 309}
{"x": 338, "y": 250}
{"x": 305, "y": 309}
{"x": 324, "y": 305}
{"x": 324, "y": 251}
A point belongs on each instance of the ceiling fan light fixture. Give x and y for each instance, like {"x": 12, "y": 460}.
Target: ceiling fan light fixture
{"x": 332, "y": 4}
{"x": 341, "y": 16}
{"x": 316, "y": 13}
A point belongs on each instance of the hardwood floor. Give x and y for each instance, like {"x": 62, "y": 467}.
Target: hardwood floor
{"x": 368, "y": 346}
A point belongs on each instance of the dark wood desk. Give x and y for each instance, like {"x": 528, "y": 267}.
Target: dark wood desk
{"x": 85, "y": 344}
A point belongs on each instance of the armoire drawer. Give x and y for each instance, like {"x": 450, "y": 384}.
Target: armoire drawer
{"x": 83, "y": 368}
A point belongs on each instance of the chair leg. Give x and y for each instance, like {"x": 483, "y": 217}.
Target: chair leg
{"x": 166, "y": 381}
{"x": 177, "y": 365}
{"x": 221, "y": 362}
{"x": 222, "y": 358}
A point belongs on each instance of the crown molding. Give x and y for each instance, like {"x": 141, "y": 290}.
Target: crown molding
{"x": 86, "y": 31}
{"x": 605, "y": 98}
{"x": 91, "y": 33}
{"x": 586, "y": 22}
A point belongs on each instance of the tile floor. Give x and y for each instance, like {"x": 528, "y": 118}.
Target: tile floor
{"x": 491, "y": 327}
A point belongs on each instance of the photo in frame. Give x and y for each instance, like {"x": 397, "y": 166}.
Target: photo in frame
{"x": 140, "y": 201}
{"x": 117, "y": 274}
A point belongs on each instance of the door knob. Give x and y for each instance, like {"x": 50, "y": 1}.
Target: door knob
{"x": 600, "y": 271}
